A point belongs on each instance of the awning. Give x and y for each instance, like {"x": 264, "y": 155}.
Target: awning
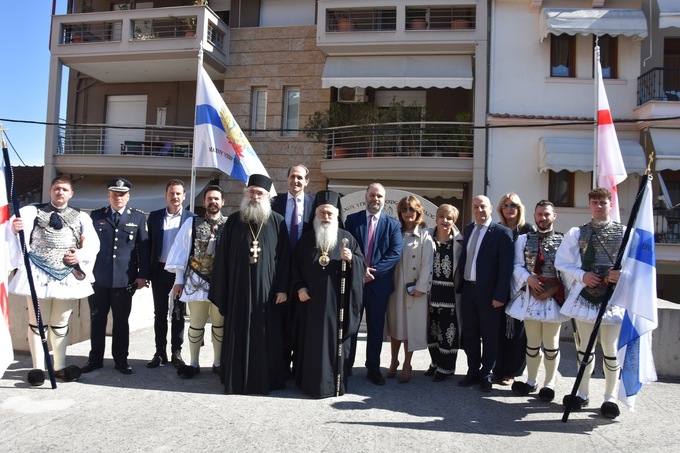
{"x": 669, "y": 13}
{"x": 667, "y": 148}
{"x": 398, "y": 71}
{"x": 594, "y": 21}
{"x": 576, "y": 154}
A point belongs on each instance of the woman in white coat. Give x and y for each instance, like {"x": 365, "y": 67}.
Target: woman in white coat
{"x": 407, "y": 310}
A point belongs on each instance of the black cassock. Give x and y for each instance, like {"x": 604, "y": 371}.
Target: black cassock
{"x": 318, "y": 317}
{"x": 245, "y": 294}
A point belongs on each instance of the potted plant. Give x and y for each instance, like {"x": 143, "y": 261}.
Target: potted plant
{"x": 463, "y": 135}
{"x": 416, "y": 18}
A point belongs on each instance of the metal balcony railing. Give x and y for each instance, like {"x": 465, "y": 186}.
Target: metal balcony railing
{"x": 126, "y": 140}
{"x": 659, "y": 84}
{"x": 433, "y": 139}
{"x": 666, "y": 222}
{"x": 385, "y": 18}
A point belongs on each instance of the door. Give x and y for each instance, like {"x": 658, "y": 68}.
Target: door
{"x": 127, "y": 110}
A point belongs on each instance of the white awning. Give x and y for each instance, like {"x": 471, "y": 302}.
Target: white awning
{"x": 669, "y": 13}
{"x": 576, "y": 154}
{"x": 398, "y": 71}
{"x": 666, "y": 144}
{"x": 594, "y": 21}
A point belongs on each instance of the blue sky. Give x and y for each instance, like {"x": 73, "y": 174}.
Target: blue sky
{"x": 24, "y": 44}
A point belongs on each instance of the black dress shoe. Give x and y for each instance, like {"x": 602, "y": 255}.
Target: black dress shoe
{"x": 468, "y": 381}
{"x": 158, "y": 360}
{"x": 91, "y": 366}
{"x": 124, "y": 368}
{"x": 430, "y": 371}
{"x": 375, "y": 377}
{"x": 176, "y": 359}
{"x": 485, "y": 385}
{"x": 439, "y": 377}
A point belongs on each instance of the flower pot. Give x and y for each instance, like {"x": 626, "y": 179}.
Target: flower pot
{"x": 190, "y": 33}
{"x": 345, "y": 25}
{"x": 417, "y": 24}
{"x": 339, "y": 152}
{"x": 461, "y": 23}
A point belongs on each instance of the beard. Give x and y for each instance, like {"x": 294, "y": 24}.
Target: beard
{"x": 257, "y": 211}
{"x": 326, "y": 234}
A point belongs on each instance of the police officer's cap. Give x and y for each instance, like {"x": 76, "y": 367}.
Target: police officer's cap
{"x": 119, "y": 185}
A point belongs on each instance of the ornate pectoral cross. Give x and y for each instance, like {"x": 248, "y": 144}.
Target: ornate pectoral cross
{"x": 254, "y": 251}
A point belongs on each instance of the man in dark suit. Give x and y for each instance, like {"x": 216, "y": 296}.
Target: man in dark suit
{"x": 296, "y": 207}
{"x": 382, "y": 252}
{"x": 485, "y": 269}
{"x": 122, "y": 266}
{"x": 163, "y": 226}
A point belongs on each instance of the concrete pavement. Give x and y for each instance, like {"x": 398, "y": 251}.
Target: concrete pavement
{"x": 154, "y": 410}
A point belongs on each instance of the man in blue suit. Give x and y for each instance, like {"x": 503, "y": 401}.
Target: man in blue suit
{"x": 382, "y": 252}
{"x": 296, "y": 207}
{"x": 163, "y": 226}
{"x": 485, "y": 269}
{"x": 122, "y": 266}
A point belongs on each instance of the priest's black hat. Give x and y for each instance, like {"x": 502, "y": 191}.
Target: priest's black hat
{"x": 327, "y": 197}
{"x": 260, "y": 181}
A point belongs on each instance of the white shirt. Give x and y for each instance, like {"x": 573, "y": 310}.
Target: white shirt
{"x": 171, "y": 224}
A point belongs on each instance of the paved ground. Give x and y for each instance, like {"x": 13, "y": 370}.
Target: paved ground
{"x": 154, "y": 410}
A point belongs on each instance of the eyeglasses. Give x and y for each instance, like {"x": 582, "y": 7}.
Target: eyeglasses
{"x": 509, "y": 205}
{"x": 408, "y": 209}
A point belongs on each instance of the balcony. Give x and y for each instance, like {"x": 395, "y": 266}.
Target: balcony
{"x": 103, "y": 149}
{"x": 443, "y": 150}
{"x": 447, "y": 25}
{"x": 658, "y": 90}
{"x": 145, "y": 45}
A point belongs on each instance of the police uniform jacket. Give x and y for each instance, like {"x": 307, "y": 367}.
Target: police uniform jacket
{"x": 124, "y": 250}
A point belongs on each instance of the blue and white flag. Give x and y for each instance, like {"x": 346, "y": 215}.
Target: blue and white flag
{"x": 219, "y": 142}
{"x": 636, "y": 292}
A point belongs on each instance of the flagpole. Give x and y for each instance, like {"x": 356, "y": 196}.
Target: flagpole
{"x": 192, "y": 188}
{"x": 608, "y": 293}
{"x": 597, "y": 69}
{"x": 27, "y": 263}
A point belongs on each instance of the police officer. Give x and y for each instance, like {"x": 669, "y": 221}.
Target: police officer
{"x": 122, "y": 266}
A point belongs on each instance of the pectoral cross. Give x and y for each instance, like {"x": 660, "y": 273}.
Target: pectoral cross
{"x": 254, "y": 252}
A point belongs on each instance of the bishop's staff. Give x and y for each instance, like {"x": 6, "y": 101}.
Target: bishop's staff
{"x": 341, "y": 320}
{"x": 27, "y": 262}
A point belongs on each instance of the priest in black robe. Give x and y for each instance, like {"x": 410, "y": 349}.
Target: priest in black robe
{"x": 251, "y": 277}
{"x": 317, "y": 273}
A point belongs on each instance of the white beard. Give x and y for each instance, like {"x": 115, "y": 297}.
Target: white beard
{"x": 257, "y": 212}
{"x": 326, "y": 235}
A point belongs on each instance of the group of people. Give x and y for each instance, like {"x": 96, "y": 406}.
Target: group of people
{"x": 285, "y": 284}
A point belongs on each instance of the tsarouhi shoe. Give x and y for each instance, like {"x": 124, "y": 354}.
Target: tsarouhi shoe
{"x": 522, "y": 388}
{"x": 187, "y": 371}
{"x": 68, "y": 374}
{"x": 610, "y": 409}
{"x": 577, "y": 404}
{"x": 546, "y": 394}
{"x": 36, "y": 377}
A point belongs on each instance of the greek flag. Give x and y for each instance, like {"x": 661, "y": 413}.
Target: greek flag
{"x": 219, "y": 142}
{"x": 636, "y": 292}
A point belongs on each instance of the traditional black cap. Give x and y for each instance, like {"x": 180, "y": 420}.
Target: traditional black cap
{"x": 119, "y": 185}
{"x": 260, "y": 181}
{"x": 327, "y": 197}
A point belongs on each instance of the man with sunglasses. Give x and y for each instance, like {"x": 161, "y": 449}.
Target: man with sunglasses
{"x": 122, "y": 266}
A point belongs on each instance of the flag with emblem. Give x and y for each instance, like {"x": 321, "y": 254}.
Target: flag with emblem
{"x": 219, "y": 142}
{"x": 6, "y": 351}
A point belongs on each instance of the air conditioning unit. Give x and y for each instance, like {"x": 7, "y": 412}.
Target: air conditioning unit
{"x": 349, "y": 95}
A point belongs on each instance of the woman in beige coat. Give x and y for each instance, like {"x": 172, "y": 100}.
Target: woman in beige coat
{"x": 407, "y": 310}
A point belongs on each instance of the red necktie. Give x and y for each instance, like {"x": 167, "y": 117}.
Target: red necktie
{"x": 369, "y": 242}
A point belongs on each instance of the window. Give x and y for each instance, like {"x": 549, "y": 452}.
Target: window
{"x": 258, "y": 120}
{"x": 291, "y": 111}
{"x": 608, "y": 56}
{"x": 562, "y": 56}
{"x": 561, "y": 188}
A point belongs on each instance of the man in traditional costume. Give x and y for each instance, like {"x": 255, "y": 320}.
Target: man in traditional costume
{"x": 317, "y": 273}
{"x": 585, "y": 259}
{"x": 251, "y": 273}
{"x": 62, "y": 246}
{"x": 191, "y": 259}
{"x": 538, "y": 295}
{"x": 163, "y": 226}
{"x": 122, "y": 267}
